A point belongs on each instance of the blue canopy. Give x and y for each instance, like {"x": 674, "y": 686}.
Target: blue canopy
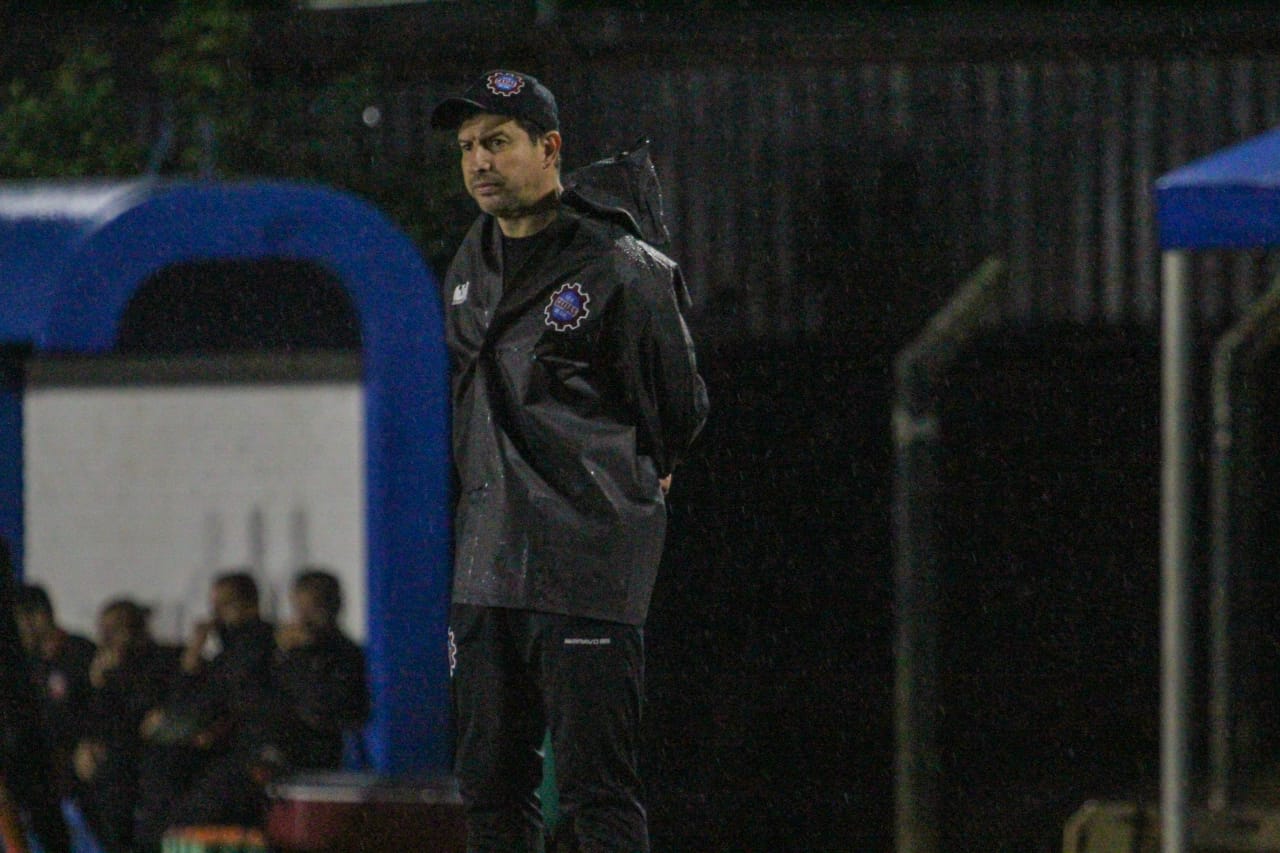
{"x": 1227, "y": 200}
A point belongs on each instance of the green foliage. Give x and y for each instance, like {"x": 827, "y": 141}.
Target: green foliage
{"x": 335, "y": 135}
{"x": 77, "y": 122}
{"x": 203, "y": 77}
{"x": 74, "y": 126}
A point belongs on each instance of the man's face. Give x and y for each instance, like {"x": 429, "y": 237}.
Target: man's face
{"x": 113, "y": 632}
{"x": 31, "y": 625}
{"x": 227, "y": 611}
{"x": 506, "y": 171}
{"x": 307, "y": 608}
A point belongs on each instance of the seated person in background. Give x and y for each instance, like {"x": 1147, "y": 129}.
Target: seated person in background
{"x": 290, "y": 715}
{"x": 202, "y": 744}
{"x": 60, "y": 667}
{"x": 28, "y": 802}
{"x": 130, "y": 676}
{"x": 320, "y": 687}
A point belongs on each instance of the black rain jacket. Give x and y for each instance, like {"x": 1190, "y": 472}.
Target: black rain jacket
{"x": 575, "y": 389}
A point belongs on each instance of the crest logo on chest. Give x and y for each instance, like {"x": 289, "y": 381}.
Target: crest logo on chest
{"x": 567, "y": 308}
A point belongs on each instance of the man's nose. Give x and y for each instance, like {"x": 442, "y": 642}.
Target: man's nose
{"x": 480, "y": 160}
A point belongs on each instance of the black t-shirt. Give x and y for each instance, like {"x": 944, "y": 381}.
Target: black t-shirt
{"x": 516, "y": 250}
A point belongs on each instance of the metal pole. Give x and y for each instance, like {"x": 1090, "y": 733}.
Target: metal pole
{"x": 917, "y": 371}
{"x": 1175, "y": 518}
{"x": 916, "y": 758}
{"x": 1234, "y": 557}
{"x": 1222, "y": 512}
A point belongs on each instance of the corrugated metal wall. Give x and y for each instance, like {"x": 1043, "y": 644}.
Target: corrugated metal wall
{"x": 1050, "y": 165}
{"x": 802, "y": 191}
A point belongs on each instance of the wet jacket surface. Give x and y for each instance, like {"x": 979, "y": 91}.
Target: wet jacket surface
{"x": 575, "y": 389}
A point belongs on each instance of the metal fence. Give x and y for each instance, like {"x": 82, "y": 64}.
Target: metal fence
{"x": 798, "y": 191}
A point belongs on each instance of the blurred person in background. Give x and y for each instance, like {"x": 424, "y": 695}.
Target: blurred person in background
{"x": 28, "y": 796}
{"x": 199, "y": 746}
{"x": 130, "y": 676}
{"x": 60, "y": 664}
{"x": 321, "y": 691}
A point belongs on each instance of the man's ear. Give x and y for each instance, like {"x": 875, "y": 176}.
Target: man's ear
{"x": 551, "y": 143}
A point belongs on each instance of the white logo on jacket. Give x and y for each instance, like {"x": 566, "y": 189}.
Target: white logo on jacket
{"x": 567, "y": 308}
{"x": 460, "y": 293}
{"x": 453, "y": 653}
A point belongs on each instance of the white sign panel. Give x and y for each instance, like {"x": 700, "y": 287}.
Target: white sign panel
{"x": 149, "y": 491}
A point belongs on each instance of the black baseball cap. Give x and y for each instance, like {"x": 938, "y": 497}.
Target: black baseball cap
{"x": 506, "y": 93}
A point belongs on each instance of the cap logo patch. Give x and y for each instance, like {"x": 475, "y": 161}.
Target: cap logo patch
{"x": 505, "y": 83}
{"x": 567, "y": 308}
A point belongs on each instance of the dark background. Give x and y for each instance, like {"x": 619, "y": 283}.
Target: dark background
{"x": 834, "y": 171}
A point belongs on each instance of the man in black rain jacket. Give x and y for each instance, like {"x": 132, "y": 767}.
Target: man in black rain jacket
{"x": 575, "y": 394}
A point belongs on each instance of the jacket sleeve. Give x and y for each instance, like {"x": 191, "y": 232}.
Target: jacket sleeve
{"x": 658, "y": 367}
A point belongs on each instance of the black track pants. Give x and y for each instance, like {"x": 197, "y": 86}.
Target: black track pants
{"x": 515, "y": 674}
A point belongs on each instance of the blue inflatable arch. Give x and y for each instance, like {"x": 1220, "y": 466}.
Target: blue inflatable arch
{"x": 72, "y": 256}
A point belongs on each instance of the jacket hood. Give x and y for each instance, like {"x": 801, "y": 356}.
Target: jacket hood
{"x": 623, "y": 189}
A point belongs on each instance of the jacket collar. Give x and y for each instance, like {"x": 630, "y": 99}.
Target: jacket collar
{"x": 519, "y": 288}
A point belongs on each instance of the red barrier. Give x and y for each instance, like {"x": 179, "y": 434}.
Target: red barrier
{"x": 326, "y": 813}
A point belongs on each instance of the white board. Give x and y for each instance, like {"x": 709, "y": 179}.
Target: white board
{"x": 149, "y": 491}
